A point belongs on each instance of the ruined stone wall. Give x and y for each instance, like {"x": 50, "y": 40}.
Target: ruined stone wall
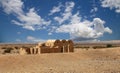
{"x": 51, "y": 46}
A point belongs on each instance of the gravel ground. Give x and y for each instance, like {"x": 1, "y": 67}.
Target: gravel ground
{"x": 81, "y": 61}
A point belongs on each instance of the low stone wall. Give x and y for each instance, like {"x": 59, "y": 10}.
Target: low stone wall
{"x": 56, "y": 50}
{"x": 45, "y": 50}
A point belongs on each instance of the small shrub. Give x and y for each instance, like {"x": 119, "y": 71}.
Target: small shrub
{"x": 86, "y": 47}
{"x": 3, "y": 47}
{"x": 98, "y": 47}
{"x": 16, "y": 47}
{"x": 109, "y": 45}
{"x": 95, "y": 47}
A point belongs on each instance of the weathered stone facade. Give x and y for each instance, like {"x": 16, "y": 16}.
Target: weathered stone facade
{"x": 50, "y": 46}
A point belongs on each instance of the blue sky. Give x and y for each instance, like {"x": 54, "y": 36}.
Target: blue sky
{"x": 40, "y": 20}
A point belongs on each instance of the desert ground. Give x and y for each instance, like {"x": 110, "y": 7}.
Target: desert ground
{"x": 81, "y": 61}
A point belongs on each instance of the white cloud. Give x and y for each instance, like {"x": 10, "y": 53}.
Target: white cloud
{"x": 98, "y": 25}
{"x": 108, "y": 30}
{"x": 33, "y": 39}
{"x": 79, "y": 28}
{"x": 75, "y": 18}
{"x": 18, "y": 40}
{"x": 112, "y": 4}
{"x": 55, "y": 9}
{"x": 95, "y": 9}
{"x": 30, "y": 20}
{"x": 28, "y": 27}
{"x": 67, "y": 13}
{"x": 52, "y": 29}
{"x": 49, "y": 33}
{"x": 12, "y": 6}
{"x": 85, "y": 29}
{"x": 68, "y": 22}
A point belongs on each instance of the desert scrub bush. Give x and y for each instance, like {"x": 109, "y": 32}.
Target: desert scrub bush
{"x": 109, "y": 45}
{"x": 3, "y": 47}
{"x": 94, "y": 47}
{"x": 86, "y": 47}
{"x": 98, "y": 47}
{"x": 16, "y": 47}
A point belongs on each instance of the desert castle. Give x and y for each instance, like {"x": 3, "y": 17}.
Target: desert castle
{"x": 50, "y": 46}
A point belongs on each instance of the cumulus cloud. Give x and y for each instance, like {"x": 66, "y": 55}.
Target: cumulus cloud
{"x": 112, "y": 4}
{"x": 30, "y": 20}
{"x": 85, "y": 30}
{"x": 55, "y": 9}
{"x": 12, "y": 6}
{"x": 33, "y": 39}
{"x": 75, "y": 18}
{"x": 73, "y": 24}
{"x": 67, "y": 13}
{"x": 51, "y": 30}
{"x": 78, "y": 28}
{"x": 107, "y": 29}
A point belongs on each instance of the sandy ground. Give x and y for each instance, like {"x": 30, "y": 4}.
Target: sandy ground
{"x": 81, "y": 61}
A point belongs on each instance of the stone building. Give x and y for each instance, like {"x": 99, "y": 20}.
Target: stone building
{"x": 50, "y": 46}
